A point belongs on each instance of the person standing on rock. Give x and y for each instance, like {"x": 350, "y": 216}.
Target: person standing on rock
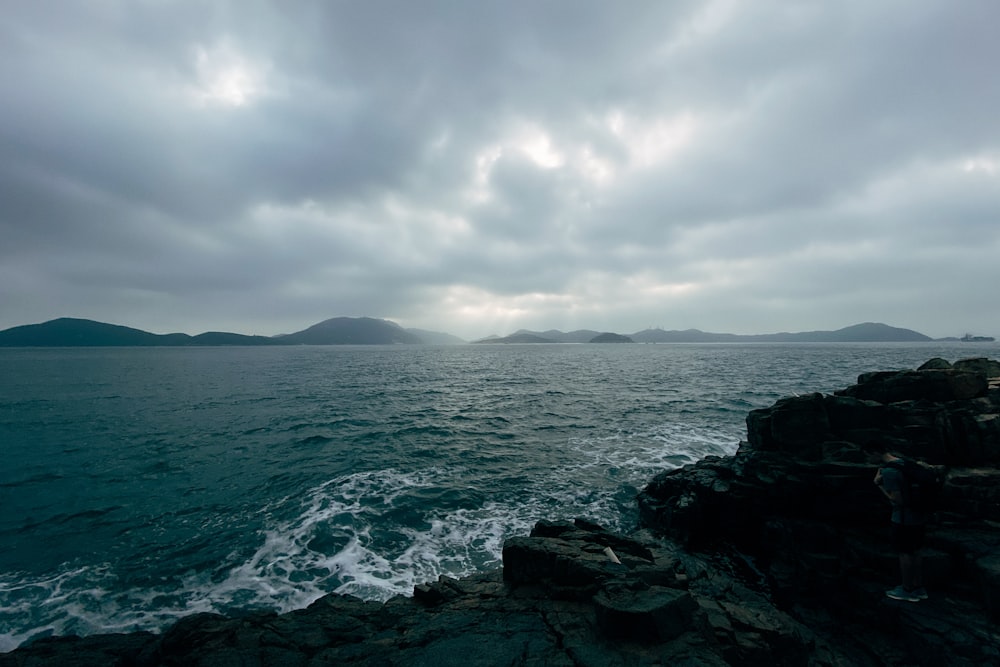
{"x": 906, "y": 530}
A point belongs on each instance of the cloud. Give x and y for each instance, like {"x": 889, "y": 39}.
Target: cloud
{"x": 478, "y": 168}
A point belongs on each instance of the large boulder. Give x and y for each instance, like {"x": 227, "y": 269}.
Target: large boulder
{"x": 647, "y": 614}
{"x": 988, "y": 368}
{"x": 933, "y": 385}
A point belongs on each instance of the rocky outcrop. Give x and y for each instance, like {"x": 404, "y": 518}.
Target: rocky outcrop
{"x": 774, "y": 556}
{"x": 569, "y": 594}
{"x": 797, "y": 500}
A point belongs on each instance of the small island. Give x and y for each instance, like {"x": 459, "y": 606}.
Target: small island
{"x": 611, "y": 338}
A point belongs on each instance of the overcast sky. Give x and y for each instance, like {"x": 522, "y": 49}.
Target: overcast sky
{"x": 479, "y": 167}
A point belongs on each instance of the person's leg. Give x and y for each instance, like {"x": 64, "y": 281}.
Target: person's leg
{"x": 907, "y": 546}
{"x": 918, "y": 575}
{"x": 916, "y": 565}
{"x": 907, "y": 570}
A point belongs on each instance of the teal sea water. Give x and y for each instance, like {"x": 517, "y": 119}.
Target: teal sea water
{"x": 142, "y": 484}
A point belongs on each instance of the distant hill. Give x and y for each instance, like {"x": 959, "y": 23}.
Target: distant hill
{"x": 868, "y": 332}
{"x": 578, "y": 336}
{"x": 352, "y": 331}
{"x": 686, "y": 336}
{"x": 69, "y": 332}
{"x": 517, "y": 338}
{"x": 73, "y": 332}
{"x": 550, "y": 336}
{"x": 610, "y": 338}
{"x": 437, "y": 337}
{"x": 224, "y": 338}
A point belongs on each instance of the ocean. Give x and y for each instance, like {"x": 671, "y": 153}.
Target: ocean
{"x": 139, "y": 485}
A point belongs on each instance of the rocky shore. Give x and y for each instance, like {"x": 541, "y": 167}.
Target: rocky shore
{"x": 777, "y": 555}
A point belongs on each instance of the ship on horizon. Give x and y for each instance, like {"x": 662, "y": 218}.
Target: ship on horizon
{"x": 969, "y": 338}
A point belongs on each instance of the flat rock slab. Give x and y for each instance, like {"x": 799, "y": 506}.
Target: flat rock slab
{"x": 654, "y": 614}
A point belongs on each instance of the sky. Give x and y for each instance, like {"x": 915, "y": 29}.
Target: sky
{"x": 482, "y": 167}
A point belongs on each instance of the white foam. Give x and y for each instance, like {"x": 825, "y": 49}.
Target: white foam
{"x": 662, "y": 446}
{"x": 341, "y": 538}
{"x": 290, "y": 573}
{"x": 70, "y": 601}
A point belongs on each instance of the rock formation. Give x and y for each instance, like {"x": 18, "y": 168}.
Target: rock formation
{"x": 774, "y": 556}
{"x": 797, "y": 501}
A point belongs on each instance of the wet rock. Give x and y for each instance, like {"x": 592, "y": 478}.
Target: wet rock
{"x": 797, "y": 500}
{"x": 73, "y": 651}
{"x": 988, "y": 368}
{"x": 646, "y": 614}
{"x": 928, "y": 385}
{"x": 937, "y": 363}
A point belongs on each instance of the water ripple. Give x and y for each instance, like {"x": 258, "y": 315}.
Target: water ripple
{"x": 140, "y": 485}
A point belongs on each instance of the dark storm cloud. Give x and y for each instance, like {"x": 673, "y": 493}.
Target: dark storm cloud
{"x": 484, "y": 166}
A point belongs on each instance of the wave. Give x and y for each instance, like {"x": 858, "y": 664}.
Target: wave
{"x": 373, "y": 534}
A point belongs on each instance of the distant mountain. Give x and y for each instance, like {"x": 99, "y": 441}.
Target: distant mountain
{"x": 517, "y": 338}
{"x": 436, "y": 337}
{"x": 686, "y": 336}
{"x": 868, "y": 332}
{"x": 352, "y": 331}
{"x": 550, "y": 336}
{"x": 73, "y": 332}
{"x": 578, "y": 336}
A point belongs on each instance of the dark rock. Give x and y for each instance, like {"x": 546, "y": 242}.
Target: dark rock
{"x": 988, "y": 368}
{"x": 73, "y": 651}
{"x": 929, "y": 385}
{"x": 797, "y": 501}
{"x": 654, "y": 614}
{"x": 562, "y": 568}
{"x": 937, "y": 363}
{"x": 988, "y": 571}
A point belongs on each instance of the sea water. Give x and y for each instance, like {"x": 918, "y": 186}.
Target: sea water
{"x": 138, "y": 485}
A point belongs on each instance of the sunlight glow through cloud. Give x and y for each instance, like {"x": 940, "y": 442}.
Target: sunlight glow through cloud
{"x": 480, "y": 192}
{"x": 495, "y": 312}
{"x": 225, "y": 78}
{"x": 538, "y": 147}
{"x": 650, "y": 142}
{"x": 595, "y": 168}
{"x": 981, "y": 164}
